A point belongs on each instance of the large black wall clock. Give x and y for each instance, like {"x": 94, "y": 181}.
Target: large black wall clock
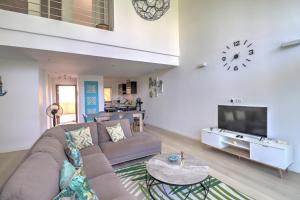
{"x": 237, "y": 55}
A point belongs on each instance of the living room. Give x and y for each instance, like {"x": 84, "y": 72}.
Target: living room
{"x": 195, "y": 58}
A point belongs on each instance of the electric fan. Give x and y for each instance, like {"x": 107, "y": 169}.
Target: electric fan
{"x": 54, "y": 111}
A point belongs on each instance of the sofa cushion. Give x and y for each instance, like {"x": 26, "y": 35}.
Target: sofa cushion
{"x": 96, "y": 165}
{"x": 78, "y": 187}
{"x": 58, "y": 133}
{"x": 138, "y": 146}
{"x": 108, "y": 187}
{"x": 103, "y": 134}
{"x": 37, "y": 178}
{"x": 73, "y": 154}
{"x": 52, "y": 146}
{"x": 116, "y": 132}
{"x": 66, "y": 173}
{"x": 92, "y": 126}
{"x": 90, "y": 150}
{"x": 81, "y": 137}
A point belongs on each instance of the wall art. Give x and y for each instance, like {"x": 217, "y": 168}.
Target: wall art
{"x": 155, "y": 87}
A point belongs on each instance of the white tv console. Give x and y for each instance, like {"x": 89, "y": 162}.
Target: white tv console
{"x": 274, "y": 153}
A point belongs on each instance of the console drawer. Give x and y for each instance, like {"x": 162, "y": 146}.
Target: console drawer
{"x": 268, "y": 155}
{"x": 213, "y": 140}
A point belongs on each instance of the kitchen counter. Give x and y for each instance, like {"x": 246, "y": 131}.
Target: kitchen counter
{"x": 119, "y": 108}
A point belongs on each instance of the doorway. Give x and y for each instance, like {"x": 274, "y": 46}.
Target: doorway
{"x": 66, "y": 97}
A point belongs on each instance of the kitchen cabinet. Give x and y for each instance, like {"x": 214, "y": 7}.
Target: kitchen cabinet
{"x": 122, "y": 89}
{"x": 129, "y": 88}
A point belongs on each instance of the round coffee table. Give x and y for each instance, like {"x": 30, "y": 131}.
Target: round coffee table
{"x": 189, "y": 173}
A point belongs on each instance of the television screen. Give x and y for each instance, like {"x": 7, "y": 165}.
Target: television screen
{"x": 248, "y": 120}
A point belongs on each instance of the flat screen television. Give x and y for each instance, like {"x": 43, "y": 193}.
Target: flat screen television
{"x": 244, "y": 119}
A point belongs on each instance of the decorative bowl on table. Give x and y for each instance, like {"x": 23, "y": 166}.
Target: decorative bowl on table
{"x": 173, "y": 158}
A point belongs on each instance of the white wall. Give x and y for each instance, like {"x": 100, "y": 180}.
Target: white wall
{"x": 156, "y": 36}
{"x": 158, "y": 42}
{"x": 20, "y": 117}
{"x": 81, "y": 101}
{"x": 44, "y": 100}
{"x": 191, "y": 95}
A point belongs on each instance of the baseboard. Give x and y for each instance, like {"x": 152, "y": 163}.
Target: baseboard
{"x": 172, "y": 132}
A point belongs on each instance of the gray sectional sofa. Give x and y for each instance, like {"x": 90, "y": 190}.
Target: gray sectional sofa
{"x": 37, "y": 177}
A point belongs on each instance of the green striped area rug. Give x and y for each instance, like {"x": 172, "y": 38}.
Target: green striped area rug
{"x": 134, "y": 177}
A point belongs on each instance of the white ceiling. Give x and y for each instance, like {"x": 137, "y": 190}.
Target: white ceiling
{"x": 74, "y": 64}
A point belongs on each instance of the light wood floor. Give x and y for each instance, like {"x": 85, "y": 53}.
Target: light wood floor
{"x": 255, "y": 180}
{"x": 8, "y": 163}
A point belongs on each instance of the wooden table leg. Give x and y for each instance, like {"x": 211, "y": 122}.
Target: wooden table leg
{"x": 280, "y": 173}
{"x": 141, "y": 122}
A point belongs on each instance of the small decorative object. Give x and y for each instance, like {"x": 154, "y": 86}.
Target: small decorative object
{"x": 103, "y": 26}
{"x": 54, "y": 111}
{"x": 150, "y": 82}
{"x": 150, "y": 93}
{"x": 154, "y": 82}
{"x": 151, "y": 10}
{"x": 173, "y": 158}
{"x": 139, "y": 104}
{"x": 181, "y": 158}
{"x": 2, "y": 93}
{"x": 160, "y": 87}
{"x": 155, "y": 92}
{"x": 237, "y": 55}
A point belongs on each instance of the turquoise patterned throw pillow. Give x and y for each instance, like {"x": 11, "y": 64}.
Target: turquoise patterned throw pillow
{"x": 65, "y": 194}
{"x": 78, "y": 188}
{"x": 66, "y": 173}
{"x": 73, "y": 154}
{"x": 68, "y": 136}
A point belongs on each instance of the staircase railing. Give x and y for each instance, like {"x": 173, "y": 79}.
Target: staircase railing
{"x": 94, "y": 13}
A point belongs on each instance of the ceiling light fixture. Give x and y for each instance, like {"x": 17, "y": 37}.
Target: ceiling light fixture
{"x": 151, "y": 10}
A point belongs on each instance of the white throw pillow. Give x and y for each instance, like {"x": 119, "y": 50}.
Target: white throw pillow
{"x": 82, "y": 137}
{"x": 116, "y": 132}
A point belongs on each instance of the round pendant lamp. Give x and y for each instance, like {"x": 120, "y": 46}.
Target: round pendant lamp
{"x": 151, "y": 10}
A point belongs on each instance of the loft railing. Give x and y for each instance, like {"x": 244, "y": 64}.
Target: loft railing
{"x": 94, "y": 13}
